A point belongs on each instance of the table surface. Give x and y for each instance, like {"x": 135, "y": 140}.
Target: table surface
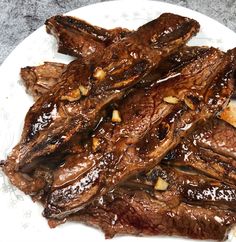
{"x": 20, "y": 18}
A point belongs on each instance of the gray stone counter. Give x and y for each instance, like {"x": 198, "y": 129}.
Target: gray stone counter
{"x": 19, "y": 18}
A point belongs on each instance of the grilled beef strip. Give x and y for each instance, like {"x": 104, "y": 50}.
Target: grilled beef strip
{"x": 40, "y": 79}
{"x": 181, "y": 185}
{"x": 61, "y": 113}
{"x": 78, "y": 38}
{"x": 190, "y": 187}
{"x": 211, "y": 149}
{"x": 150, "y": 127}
{"x": 129, "y": 211}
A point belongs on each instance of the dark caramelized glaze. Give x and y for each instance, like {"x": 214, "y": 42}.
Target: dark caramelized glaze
{"x": 78, "y": 38}
{"x": 120, "y": 154}
{"x": 189, "y": 186}
{"x": 83, "y": 114}
{"x": 210, "y": 149}
{"x": 135, "y": 211}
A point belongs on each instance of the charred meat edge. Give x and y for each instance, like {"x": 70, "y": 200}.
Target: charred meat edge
{"x": 189, "y": 186}
{"x": 78, "y": 38}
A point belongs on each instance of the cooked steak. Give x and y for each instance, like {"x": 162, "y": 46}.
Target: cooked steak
{"x": 170, "y": 65}
{"x": 40, "y": 79}
{"x": 142, "y": 206}
{"x": 78, "y": 38}
{"x": 76, "y": 105}
{"x": 211, "y": 149}
{"x": 151, "y": 126}
{"x": 135, "y": 211}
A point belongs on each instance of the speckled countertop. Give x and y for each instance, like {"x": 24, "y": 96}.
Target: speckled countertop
{"x": 19, "y": 18}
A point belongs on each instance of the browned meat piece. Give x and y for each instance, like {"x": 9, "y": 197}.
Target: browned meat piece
{"x": 211, "y": 149}
{"x": 76, "y": 105}
{"x": 152, "y": 124}
{"x": 78, "y": 38}
{"x": 167, "y": 65}
{"x": 136, "y": 211}
{"x": 75, "y": 37}
{"x": 144, "y": 205}
{"x": 40, "y": 79}
{"x": 186, "y": 185}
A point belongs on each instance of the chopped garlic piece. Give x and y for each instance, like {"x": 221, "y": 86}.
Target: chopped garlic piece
{"x": 84, "y": 91}
{"x": 95, "y": 143}
{"x": 116, "y": 116}
{"x": 74, "y": 95}
{"x": 171, "y": 99}
{"x": 99, "y": 74}
{"x": 189, "y": 103}
{"x": 161, "y": 184}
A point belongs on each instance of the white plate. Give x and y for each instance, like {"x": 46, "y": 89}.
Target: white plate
{"x": 21, "y": 220}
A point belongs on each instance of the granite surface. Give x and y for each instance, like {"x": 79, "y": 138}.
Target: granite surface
{"x": 19, "y": 18}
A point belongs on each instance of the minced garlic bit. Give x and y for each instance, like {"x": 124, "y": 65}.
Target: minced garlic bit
{"x": 161, "y": 184}
{"x": 74, "y": 95}
{"x": 189, "y": 103}
{"x": 84, "y": 91}
{"x": 95, "y": 143}
{"x": 171, "y": 99}
{"x": 116, "y": 116}
{"x": 99, "y": 74}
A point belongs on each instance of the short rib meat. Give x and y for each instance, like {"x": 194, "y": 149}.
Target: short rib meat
{"x": 151, "y": 126}
{"x": 140, "y": 209}
{"x": 76, "y": 105}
